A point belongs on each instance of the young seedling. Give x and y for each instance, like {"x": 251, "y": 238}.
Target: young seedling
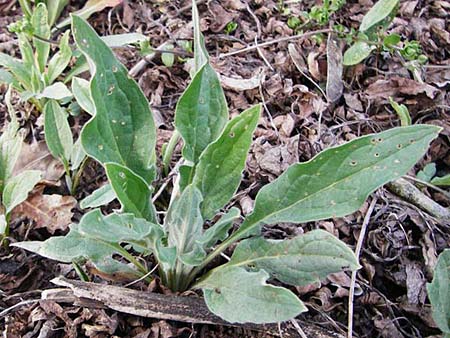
{"x": 122, "y": 137}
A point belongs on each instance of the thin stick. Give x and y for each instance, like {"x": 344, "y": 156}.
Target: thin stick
{"x": 354, "y": 273}
{"x": 429, "y": 185}
{"x": 298, "y": 328}
{"x": 15, "y": 306}
{"x": 271, "y": 42}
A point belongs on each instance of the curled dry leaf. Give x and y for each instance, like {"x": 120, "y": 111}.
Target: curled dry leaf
{"x": 397, "y": 85}
{"x": 53, "y": 212}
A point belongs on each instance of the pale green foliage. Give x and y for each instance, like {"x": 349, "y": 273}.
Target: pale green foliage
{"x": 358, "y": 52}
{"x": 121, "y": 136}
{"x": 443, "y": 181}
{"x": 122, "y": 130}
{"x": 402, "y": 112}
{"x": 439, "y": 292}
{"x": 17, "y": 188}
{"x": 379, "y": 12}
{"x": 99, "y": 197}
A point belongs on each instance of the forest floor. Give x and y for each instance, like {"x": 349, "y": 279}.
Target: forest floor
{"x": 402, "y": 241}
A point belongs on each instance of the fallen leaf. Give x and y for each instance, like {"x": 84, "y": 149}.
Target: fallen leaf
{"x": 335, "y": 84}
{"x": 396, "y": 85}
{"x": 53, "y": 212}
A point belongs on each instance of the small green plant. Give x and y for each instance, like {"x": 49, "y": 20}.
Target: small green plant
{"x": 230, "y": 27}
{"x": 122, "y": 137}
{"x": 439, "y": 293}
{"x": 372, "y": 36}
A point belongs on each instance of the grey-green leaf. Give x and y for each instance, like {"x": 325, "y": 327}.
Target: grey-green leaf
{"x": 41, "y": 29}
{"x": 219, "y": 169}
{"x": 219, "y": 231}
{"x": 55, "y": 8}
{"x": 97, "y": 238}
{"x": 56, "y": 91}
{"x": 380, "y": 11}
{"x": 201, "y": 113}
{"x": 439, "y": 292}
{"x": 60, "y": 60}
{"x": 442, "y": 181}
{"x": 302, "y": 260}
{"x": 200, "y": 54}
{"x": 81, "y": 92}
{"x": 132, "y": 191}
{"x": 17, "y": 188}
{"x": 184, "y": 222}
{"x": 240, "y": 296}
{"x": 338, "y": 180}
{"x": 57, "y": 131}
{"x": 357, "y": 53}
{"x": 99, "y": 197}
{"x": 122, "y": 130}
{"x": 10, "y": 146}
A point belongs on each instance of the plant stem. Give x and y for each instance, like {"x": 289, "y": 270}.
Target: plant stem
{"x": 77, "y": 176}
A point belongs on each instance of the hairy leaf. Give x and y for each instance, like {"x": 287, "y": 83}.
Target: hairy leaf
{"x": 184, "y": 222}
{"x": 56, "y": 91}
{"x": 120, "y": 40}
{"x": 122, "y": 130}
{"x": 338, "y": 180}
{"x": 77, "y": 156}
{"x": 57, "y": 131}
{"x": 239, "y": 296}
{"x": 97, "y": 238}
{"x": 10, "y": 146}
{"x": 439, "y": 292}
{"x": 380, "y": 11}
{"x": 41, "y": 28}
{"x": 21, "y": 73}
{"x": 219, "y": 169}
{"x": 219, "y": 231}
{"x": 201, "y": 113}
{"x": 55, "y": 8}
{"x": 17, "y": 188}
{"x": 302, "y": 260}
{"x": 81, "y": 92}
{"x": 99, "y": 197}
{"x": 200, "y": 54}
{"x": 60, "y": 60}
{"x": 132, "y": 191}
{"x": 357, "y": 53}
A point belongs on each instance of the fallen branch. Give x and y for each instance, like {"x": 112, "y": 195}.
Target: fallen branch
{"x": 165, "y": 307}
{"x": 413, "y": 195}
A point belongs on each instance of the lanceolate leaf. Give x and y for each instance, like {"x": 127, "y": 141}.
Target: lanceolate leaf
{"x": 97, "y": 238}
{"x": 201, "y": 113}
{"x": 99, "y": 197}
{"x": 337, "y": 181}
{"x": 10, "y": 146}
{"x": 17, "y": 188}
{"x": 200, "y": 54}
{"x": 299, "y": 261}
{"x": 357, "y": 53}
{"x": 122, "y": 130}
{"x": 380, "y": 11}
{"x": 184, "y": 223}
{"x": 60, "y": 60}
{"x": 81, "y": 92}
{"x": 41, "y": 29}
{"x": 219, "y": 231}
{"x": 55, "y": 8}
{"x": 18, "y": 69}
{"x": 239, "y": 296}
{"x": 132, "y": 191}
{"x": 219, "y": 170}
{"x": 439, "y": 292}
{"x": 57, "y": 131}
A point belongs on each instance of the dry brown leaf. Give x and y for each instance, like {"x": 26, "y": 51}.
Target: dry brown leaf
{"x": 396, "y": 85}
{"x": 335, "y": 84}
{"x": 36, "y": 156}
{"x": 220, "y": 17}
{"x": 53, "y": 212}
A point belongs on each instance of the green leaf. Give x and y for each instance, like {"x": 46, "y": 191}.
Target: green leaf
{"x": 122, "y": 130}
{"x": 96, "y": 238}
{"x": 439, "y": 292}
{"x": 302, "y": 260}
{"x": 337, "y": 181}
{"x": 391, "y": 40}
{"x": 239, "y": 296}
{"x": 184, "y": 222}
{"x": 402, "y": 112}
{"x": 219, "y": 231}
{"x": 81, "y": 92}
{"x": 168, "y": 58}
{"x": 200, "y": 53}
{"x": 26, "y": 51}
{"x": 18, "y": 69}
{"x": 56, "y": 91}
{"x": 41, "y": 28}
{"x": 132, "y": 191}
{"x": 219, "y": 170}
{"x": 57, "y": 131}
{"x": 55, "y": 7}
{"x": 201, "y": 113}
{"x": 77, "y": 156}
{"x": 17, "y": 188}
{"x": 357, "y": 53}
{"x": 60, "y": 60}
{"x": 10, "y": 146}
{"x": 442, "y": 181}
{"x": 380, "y": 11}
{"x": 7, "y": 78}
{"x": 99, "y": 197}
{"x": 427, "y": 173}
